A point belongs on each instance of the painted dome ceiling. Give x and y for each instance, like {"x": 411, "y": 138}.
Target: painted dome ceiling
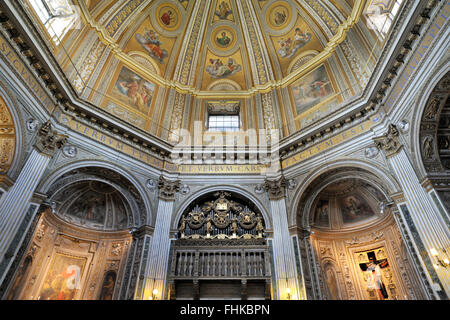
{"x": 162, "y": 66}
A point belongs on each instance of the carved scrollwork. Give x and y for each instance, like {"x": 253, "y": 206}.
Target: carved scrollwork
{"x": 70, "y": 151}
{"x": 32, "y": 125}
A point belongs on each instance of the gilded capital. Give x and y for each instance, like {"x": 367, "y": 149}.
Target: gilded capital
{"x": 49, "y": 140}
{"x": 167, "y": 189}
{"x": 389, "y": 142}
{"x": 275, "y": 188}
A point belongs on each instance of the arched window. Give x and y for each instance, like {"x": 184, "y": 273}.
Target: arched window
{"x": 22, "y": 274}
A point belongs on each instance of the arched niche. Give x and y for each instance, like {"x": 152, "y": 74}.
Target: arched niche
{"x": 221, "y": 215}
{"x": 221, "y": 250}
{"x": 7, "y": 137}
{"x": 434, "y": 139}
{"x": 93, "y": 204}
{"x": 354, "y": 249}
{"x": 108, "y": 285}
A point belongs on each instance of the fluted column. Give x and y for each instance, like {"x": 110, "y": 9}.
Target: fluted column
{"x": 160, "y": 246}
{"x": 16, "y": 202}
{"x": 283, "y": 250}
{"x": 419, "y": 209}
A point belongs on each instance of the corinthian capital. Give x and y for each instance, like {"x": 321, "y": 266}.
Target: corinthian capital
{"x": 167, "y": 188}
{"x": 389, "y": 142}
{"x": 49, "y": 140}
{"x": 275, "y": 188}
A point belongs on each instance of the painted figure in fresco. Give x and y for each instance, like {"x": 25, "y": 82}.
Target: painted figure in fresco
{"x": 150, "y": 42}
{"x": 224, "y": 10}
{"x": 224, "y": 40}
{"x": 167, "y": 17}
{"x": 319, "y": 88}
{"x": 372, "y": 272}
{"x": 312, "y": 89}
{"x": 219, "y": 70}
{"x": 108, "y": 286}
{"x": 280, "y": 17}
{"x": 330, "y": 279}
{"x": 62, "y": 286}
{"x": 289, "y": 47}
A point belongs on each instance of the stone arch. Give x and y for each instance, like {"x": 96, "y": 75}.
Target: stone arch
{"x": 385, "y": 181}
{"x": 146, "y": 213}
{"x": 250, "y": 197}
